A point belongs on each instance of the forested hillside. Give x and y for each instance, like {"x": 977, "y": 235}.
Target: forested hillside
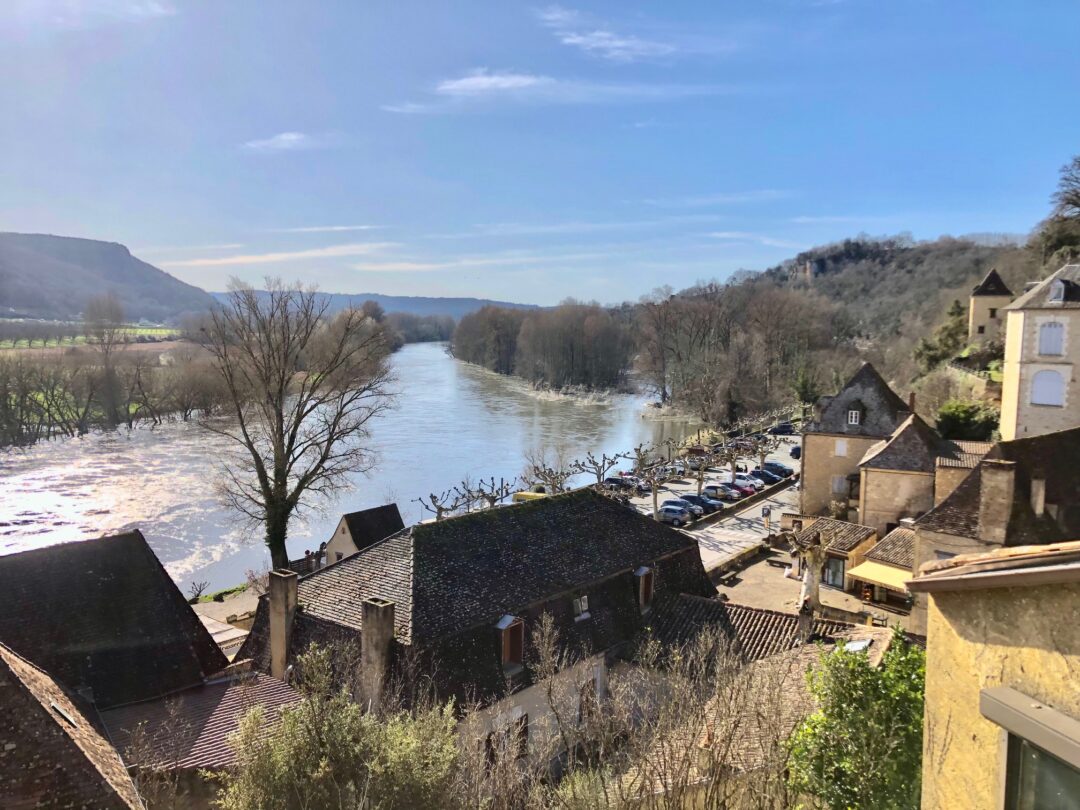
{"x": 53, "y": 277}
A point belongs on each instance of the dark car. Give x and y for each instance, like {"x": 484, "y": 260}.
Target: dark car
{"x": 783, "y": 429}
{"x": 618, "y": 483}
{"x": 796, "y": 451}
{"x": 707, "y": 504}
{"x": 766, "y": 476}
{"x": 721, "y": 492}
{"x": 776, "y": 468}
{"x": 692, "y": 508}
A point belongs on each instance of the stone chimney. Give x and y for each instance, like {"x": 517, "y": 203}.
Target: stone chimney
{"x": 376, "y": 637}
{"x": 282, "y": 599}
{"x": 1038, "y": 492}
{"x": 911, "y": 402}
{"x": 995, "y": 499}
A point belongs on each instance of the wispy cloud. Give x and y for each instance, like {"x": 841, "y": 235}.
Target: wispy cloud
{"x": 570, "y": 28}
{"x": 330, "y": 252}
{"x": 506, "y": 259}
{"x": 327, "y": 228}
{"x": 186, "y": 248}
{"x": 720, "y": 198}
{"x": 496, "y": 229}
{"x": 291, "y": 142}
{"x": 486, "y": 85}
{"x": 757, "y": 238}
{"x": 84, "y": 13}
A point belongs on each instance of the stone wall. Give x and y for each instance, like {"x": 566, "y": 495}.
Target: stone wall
{"x": 821, "y": 464}
{"x": 885, "y": 496}
{"x": 1012, "y": 637}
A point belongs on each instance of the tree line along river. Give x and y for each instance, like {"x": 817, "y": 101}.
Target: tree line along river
{"x": 450, "y": 420}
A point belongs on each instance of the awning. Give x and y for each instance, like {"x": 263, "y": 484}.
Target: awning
{"x": 887, "y": 576}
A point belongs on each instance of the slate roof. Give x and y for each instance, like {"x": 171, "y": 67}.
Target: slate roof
{"x": 369, "y": 526}
{"x": 967, "y": 454}
{"x": 191, "y": 730}
{"x": 896, "y": 548}
{"x": 882, "y": 409}
{"x": 1053, "y": 456}
{"x": 913, "y": 447}
{"x": 755, "y": 632}
{"x": 991, "y": 284}
{"x": 844, "y": 536}
{"x": 104, "y": 614}
{"x": 446, "y": 576}
{"x": 1038, "y": 296}
{"x": 52, "y": 755}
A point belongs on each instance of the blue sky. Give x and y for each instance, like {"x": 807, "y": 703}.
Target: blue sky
{"x": 526, "y": 152}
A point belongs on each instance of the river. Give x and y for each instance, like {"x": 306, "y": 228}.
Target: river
{"x": 449, "y": 420}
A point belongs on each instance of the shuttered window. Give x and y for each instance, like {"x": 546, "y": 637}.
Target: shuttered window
{"x": 1048, "y": 388}
{"x": 1052, "y": 339}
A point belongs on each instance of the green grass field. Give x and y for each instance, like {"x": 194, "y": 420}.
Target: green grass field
{"x": 162, "y": 332}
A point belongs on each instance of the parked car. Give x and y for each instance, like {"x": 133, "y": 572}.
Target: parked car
{"x": 726, "y": 492}
{"x": 749, "y": 480}
{"x": 697, "y": 462}
{"x": 776, "y": 468}
{"x": 615, "y": 482}
{"x": 692, "y": 508}
{"x": 766, "y": 476}
{"x": 675, "y": 515}
{"x": 783, "y": 429}
{"x": 796, "y": 451}
{"x": 707, "y": 504}
{"x": 745, "y": 490}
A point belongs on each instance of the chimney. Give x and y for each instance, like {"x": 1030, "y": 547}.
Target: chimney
{"x": 995, "y": 499}
{"x": 911, "y": 402}
{"x": 376, "y": 635}
{"x": 1038, "y": 492}
{"x": 907, "y": 522}
{"x": 282, "y": 609}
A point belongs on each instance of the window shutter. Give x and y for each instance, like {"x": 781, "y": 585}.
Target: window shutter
{"x": 1052, "y": 339}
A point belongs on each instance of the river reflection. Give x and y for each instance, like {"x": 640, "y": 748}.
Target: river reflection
{"x": 450, "y": 420}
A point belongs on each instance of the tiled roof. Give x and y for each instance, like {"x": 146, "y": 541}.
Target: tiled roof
{"x": 104, "y": 614}
{"x": 913, "y": 447}
{"x": 50, "y": 754}
{"x": 191, "y": 729}
{"x": 896, "y": 548}
{"x": 369, "y": 526}
{"x": 1052, "y": 455}
{"x": 756, "y": 632}
{"x": 1038, "y": 296}
{"x": 966, "y": 455}
{"x": 882, "y": 410}
{"x": 842, "y": 536}
{"x": 448, "y": 575}
{"x": 991, "y": 284}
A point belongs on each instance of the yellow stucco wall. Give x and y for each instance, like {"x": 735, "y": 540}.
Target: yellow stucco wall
{"x": 820, "y": 463}
{"x": 927, "y": 547}
{"x": 1019, "y": 418}
{"x": 885, "y": 496}
{"x": 1012, "y": 637}
{"x": 979, "y": 307}
{"x": 341, "y": 543}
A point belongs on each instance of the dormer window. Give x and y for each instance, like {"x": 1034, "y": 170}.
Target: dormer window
{"x": 644, "y": 577}
{"x": 512, "y": 636}
{"x": 1057, "y": 292}
{"x": 854, "y": 416}
{"x": 581, "y": 608}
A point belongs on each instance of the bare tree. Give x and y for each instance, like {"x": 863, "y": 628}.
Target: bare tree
{"x": 103, "y": 322}
{"x": 598, "y": 467}
{"x": 444, "y": 503}
{"x": 550, "y": 470}
{"x": 302, "y": 389}
{"x": 488, "y": 492}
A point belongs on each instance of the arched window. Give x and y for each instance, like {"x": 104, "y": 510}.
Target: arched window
{"x": 1057, "y": 291}
{"x": 1048, "y": 388}
{"x": 1052, "y": 339}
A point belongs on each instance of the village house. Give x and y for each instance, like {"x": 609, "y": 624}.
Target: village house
{"x": 844, "y": 427}
{"x": 358, "y": 530}
{"x": 51, "y": 754}
{"x": 1023, "y": 492}
{"x": 986, "y": 303}
{"x": 883, "y": 575}
{"x": 1039, "y": 392}
{"x": 1002, "y": 710}
{"x": 846, "y": 545}
{"x": 461, "y": 597}
{"x": 106, "y": 622}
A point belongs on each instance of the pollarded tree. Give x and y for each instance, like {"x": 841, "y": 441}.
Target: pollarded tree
{"x": 597, "y": 466}
{"x": 302, "y": 389}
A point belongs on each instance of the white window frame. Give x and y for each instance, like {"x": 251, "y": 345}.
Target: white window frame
{"x": 581, "y": 608}
{"x": 1057, "y": 292}
{"x": 840, "y": 448}
{"x": 854, "y": 417}
{"x": 1051, "y": 346}
{"x": 642, "y": 575}
{"x": 1063, "y": 389}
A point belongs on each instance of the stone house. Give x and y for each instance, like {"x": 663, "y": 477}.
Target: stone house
{"x": 843, "y": 429}
{"x": 986, "y": 303}
{"x": 1023, "y": 492}
{"x": 1002, "y": 712}
{"x": 107, "y": 623}
{"x": 846, "y": 545}
{"x": 358, "y": 530}
{"x": 459, "y": 599}
{"x": 887, "y": 567}
{"x": 53, "y": 755}
{"x": 1040, "y": 392}
{"x": 905, "y": 475}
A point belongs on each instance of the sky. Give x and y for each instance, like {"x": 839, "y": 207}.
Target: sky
{"x": 526, "y": 152}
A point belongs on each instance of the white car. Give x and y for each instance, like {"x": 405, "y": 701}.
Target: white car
{"x": 749, "y": 480}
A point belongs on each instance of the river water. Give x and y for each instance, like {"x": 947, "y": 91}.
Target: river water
{"x": 450, "y": 420}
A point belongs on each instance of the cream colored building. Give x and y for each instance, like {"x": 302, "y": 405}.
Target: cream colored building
{"x": 1002, "y": 713}
{"x": 844, "y": 428}
{"x": 1040, "y": 393}
{"x": 358, "y": 530}
{"x": 986, "y": 317}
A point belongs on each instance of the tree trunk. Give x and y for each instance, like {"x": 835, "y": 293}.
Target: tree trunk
{"x": 277, "y": 528}
{"x": 655, "y": 507}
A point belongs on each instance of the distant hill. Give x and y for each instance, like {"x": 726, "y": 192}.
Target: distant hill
{"x": 456, "y": 308}
{"x": 44, "y": 276}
